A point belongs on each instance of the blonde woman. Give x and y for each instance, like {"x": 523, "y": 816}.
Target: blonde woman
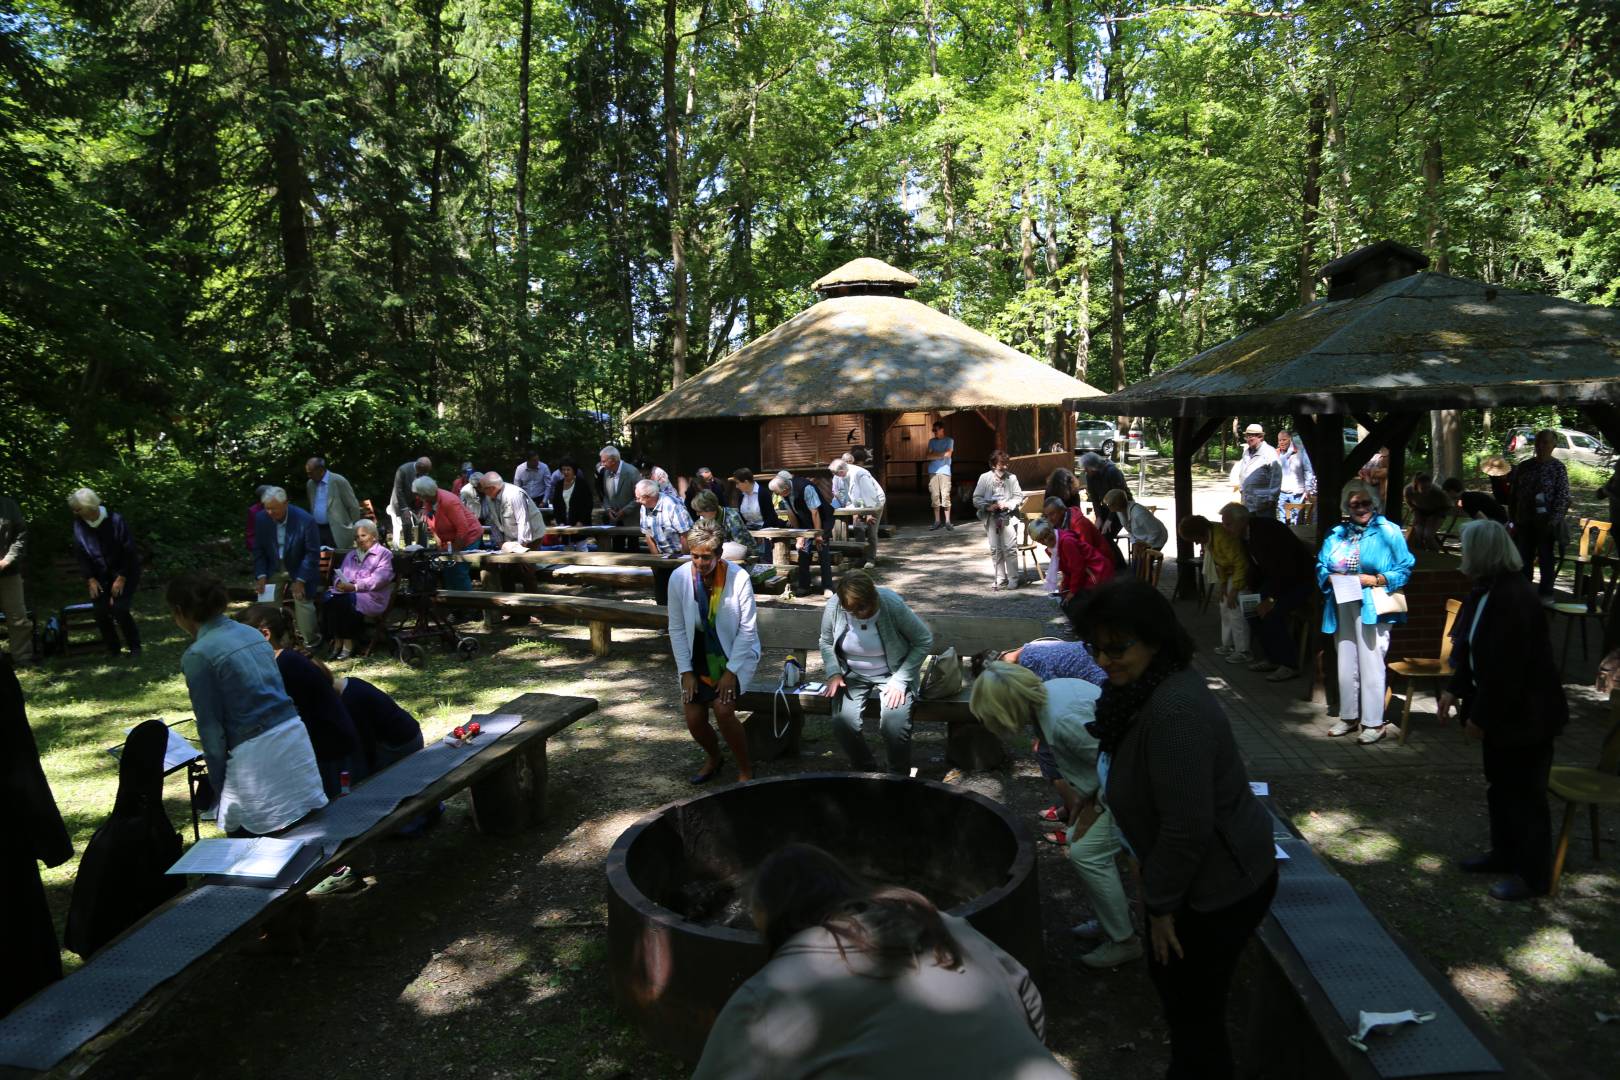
{"x": 716, "y": 646}
{"x": 1009, "y": 700}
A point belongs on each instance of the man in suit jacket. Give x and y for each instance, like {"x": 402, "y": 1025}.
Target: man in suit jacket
{"x": 402, "y": 502}
{"x": 332, "y": 504}
{"x": 616, "y": 481}
{"x": 287, "y": 552}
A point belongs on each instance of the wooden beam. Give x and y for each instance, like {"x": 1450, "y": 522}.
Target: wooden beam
{"x": 1188, "y": 435}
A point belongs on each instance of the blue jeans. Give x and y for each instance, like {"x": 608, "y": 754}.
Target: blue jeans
{"x": 894, "y": 723}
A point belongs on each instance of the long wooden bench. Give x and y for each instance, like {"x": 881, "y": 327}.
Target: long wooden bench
{"x": 600, "y": 615}
{"x": 507, "y": 781}
{"x": 774, "y": 730}
{"x": 662, "y": 567}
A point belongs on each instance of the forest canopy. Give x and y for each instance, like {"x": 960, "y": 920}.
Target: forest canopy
{"x": 238, "y": 232}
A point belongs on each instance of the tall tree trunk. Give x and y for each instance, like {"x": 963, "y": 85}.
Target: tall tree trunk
{"x": 286, "y": 160}
{"x": 1311, "y": 207}
{"x": 1116, "y": 298}
{"x": 1342, "y": 202}
{"x": 1445, "y": 425}
{"x": 519, "y": 398}
{"x": 1057, "y": 349}
{"x": 672, "y": 196}
{"x": 947, "y": 190}
{"x": 396, "y": 222}
{"x": 1082, "y": 322}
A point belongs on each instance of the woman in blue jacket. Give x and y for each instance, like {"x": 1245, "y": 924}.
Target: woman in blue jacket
{"x": 1369, "y": 547}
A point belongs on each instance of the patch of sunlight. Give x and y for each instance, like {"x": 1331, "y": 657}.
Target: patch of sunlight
{"x": 1486, "y": 987}
{"x": 1362, "y": 847}
{"x": 1324, "y": 824}
{"x": 1550, "y": 955}
{"x": 600, "y": 834}
{"x": 1428, "y": 863}
{"x": 452, "y": 977}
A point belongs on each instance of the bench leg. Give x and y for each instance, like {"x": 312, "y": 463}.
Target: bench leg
{"x": 1562, "y": 851}
{"x": 512, "y": 797}
{"x": 601, "y": 638}
{"x": 970, "y": 746}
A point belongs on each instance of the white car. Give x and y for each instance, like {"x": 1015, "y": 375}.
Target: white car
{"x": 1098, "y": 435}
{"x": 1568, "y": 445}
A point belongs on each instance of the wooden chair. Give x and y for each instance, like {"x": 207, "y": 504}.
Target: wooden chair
{"x": 1299, "y": 513}
{"x": 1431, "y": 669}
{"x": 1027, "y": 547}
{"x": 1148, "y": 565}
{"x": 1590, "y": 787}
{"x": 1592, "y": 602}
{"x": 1590, "y": 547}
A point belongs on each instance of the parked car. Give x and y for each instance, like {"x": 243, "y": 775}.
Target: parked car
{"x": 1568, "y": 445}
{"x": 1098, "y": 435}
{"x": 1352, "y": 439}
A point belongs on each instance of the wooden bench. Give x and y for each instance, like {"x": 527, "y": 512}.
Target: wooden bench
{"x": 600, "y": 615}
{"x": 662, "y": 567}
{"x": 968, "y": 745}
{"x": 507, "y": 780}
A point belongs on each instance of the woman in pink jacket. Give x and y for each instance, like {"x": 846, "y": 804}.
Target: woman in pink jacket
{"x": 362, "y": 587}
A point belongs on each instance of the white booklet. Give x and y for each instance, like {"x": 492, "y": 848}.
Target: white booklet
{"x": 268, "y": 596}
{"x": 1346, "y": 588}
{"x": 259, "y": 857}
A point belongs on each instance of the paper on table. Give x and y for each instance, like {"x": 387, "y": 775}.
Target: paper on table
{"x": 1260, "y": 787}
{"x": 260, "y": 857}
{"x": 1346, "y": 587}
{"x": 1281, "y": 854}
{"x": 268, "y": 596}
{"x": 178, "y": 752}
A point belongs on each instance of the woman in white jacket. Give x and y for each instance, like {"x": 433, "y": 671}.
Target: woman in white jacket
{"x": 716, "y": 645}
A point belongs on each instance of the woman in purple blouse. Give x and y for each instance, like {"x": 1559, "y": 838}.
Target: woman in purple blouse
{"x": 362, "y": 587}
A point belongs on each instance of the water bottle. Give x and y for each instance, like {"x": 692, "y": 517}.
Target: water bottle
{"x": 792, "y": 673}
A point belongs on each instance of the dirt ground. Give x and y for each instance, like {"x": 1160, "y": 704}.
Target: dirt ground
{"x": 480, "y": 957}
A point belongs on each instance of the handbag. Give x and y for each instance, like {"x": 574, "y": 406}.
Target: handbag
{"x": 1388, "y": 603}
{"x": 940, "y": 676}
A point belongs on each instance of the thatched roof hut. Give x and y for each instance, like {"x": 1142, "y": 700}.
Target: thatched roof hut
{"x": 864, "y": 366}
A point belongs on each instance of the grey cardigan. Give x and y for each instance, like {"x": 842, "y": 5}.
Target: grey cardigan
{"x": 906, "y": 638}
{"x": 1181, "y": 798}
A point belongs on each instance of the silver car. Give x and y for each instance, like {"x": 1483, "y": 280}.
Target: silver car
{"x": 1098, "y": 435}
{"x": 1568, "y": 445}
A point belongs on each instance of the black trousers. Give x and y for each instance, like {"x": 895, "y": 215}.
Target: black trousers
{"x": 1535, "y": 541}
{"x": 1521, "y": 823}
{"x": 109, "y": 611}
{"x": 822, "y": 550}
{"x": 1276, "y": 643}
{"x": 1193, "y": 988}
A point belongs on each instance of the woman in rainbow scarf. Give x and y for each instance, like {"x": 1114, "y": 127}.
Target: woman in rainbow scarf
{"x": 711, "y": 629}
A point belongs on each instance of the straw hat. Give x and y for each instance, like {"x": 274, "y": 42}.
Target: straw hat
{"x": 1254, "y": 429}
{"x": 1495, "y": 465}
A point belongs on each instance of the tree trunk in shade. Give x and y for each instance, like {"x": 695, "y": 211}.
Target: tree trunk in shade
{"x": 672, "y": 197}
{"x": 519, "y": 402}
{"x": 298, "y": 265}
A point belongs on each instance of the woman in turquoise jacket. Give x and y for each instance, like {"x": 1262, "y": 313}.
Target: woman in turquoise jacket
{"x": 1370, "y": 547}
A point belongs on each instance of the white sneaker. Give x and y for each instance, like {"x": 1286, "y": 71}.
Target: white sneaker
{"x": 1370, "y": 735}
{"x": 1343, "y": 727}
{"x": 1239, "y": 658}
{"x": 1111, "y": 954}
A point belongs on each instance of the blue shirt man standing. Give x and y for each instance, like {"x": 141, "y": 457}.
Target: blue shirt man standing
{"x": 940, "y": 449}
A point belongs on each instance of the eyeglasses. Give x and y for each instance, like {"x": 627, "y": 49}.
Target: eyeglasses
{"x": 1113, "y": 650}
{"x": 1359, "y": 504}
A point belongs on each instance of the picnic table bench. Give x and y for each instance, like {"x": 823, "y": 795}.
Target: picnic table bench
{"x": 843, "y": 515}
{"x": 66, "y": 1026}
{"x": 600, "y": 615}
{"x": 1322, "y": 957}
{"x": 662, "y": 566}
{"x": 968, "y": 745}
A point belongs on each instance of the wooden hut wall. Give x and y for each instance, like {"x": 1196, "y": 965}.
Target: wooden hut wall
{"x": 722, "y": 445}
{"x": 807, "y": 442}
{"x": 905, "y": 450}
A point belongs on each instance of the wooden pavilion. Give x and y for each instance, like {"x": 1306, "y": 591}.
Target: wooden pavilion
{"x": 866, "y": 366}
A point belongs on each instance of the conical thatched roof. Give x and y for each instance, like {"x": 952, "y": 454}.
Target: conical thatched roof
{"x": 865, "y": 353}
{"x": 1423, "y": 341}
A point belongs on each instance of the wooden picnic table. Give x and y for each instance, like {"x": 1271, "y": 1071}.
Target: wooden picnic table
{"x": 662, "y": 566}
{"x": 593, "y": 530}
{"x": 843, "y": 515}
{"x": 782, "y": 541}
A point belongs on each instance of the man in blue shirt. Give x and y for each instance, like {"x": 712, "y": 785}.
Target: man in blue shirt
{"x": 940, "y": 449}
{"x": 287, "y": 552}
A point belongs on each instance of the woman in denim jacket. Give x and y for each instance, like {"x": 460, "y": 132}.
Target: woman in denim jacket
{"x": 260, "y": 761}
{"x": 1370, "y": 546}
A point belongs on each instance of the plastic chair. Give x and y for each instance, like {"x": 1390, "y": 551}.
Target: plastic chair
{"x": 1437, "y": 668}
{"x": 1592, "y": 788}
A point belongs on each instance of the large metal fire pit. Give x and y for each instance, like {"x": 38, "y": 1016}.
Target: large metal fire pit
{"x": 679, "y": 936}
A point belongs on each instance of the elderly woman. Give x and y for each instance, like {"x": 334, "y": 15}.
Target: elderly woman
{"x": 716, "y": 646}
{"x": 105, "y": 549}
{"x": 1175, "y": 783}
{"x": 570, "y": 495}
{"x": 261, "y": 765}
{"x": 740, "y": 542}
{"x": 1507, "y": 684}
{"x": 1010, "y": 700}
{"x": 999, "y": 502}
{"x": 1076, "y": 553}
{"x": 361, "y": 587}
{"x": 447, "y": 517}
{"x": 1363, "y": 561}
{"x": 1146, "y": 530}
{"x": 750, "y": 499}
{"x": 1102, "y": 476}
{"x": 872, "y": 981}
{"x": 872, "y": 647}
{"x": 1226, "y": 562}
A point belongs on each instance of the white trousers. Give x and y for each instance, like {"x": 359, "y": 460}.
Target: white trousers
{"x": 1234, "y": 627}
{"x": 1003, "y": 550}
{"x": 1360, "y": 650}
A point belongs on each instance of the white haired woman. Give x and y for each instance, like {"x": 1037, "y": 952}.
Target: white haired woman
{"x": 1363, "y": 562}
{"x": 739, "y": 541}
{"x": 361, "y": 588}
{"x": 1146, "y": 530}
{"x": 716, "y": 646}
{"x": 1506, "y": 683}
{"x": 105, "y": 549}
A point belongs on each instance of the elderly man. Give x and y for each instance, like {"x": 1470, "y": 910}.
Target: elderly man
{"x": 616, "y": 481}
{"x": 1297, "y": 480}
{"x": 862, "y": 491}
{"x": 402, "y": 501}
{"x": 332, "y": 504}
{"x": 1283, "y": 571}
{"x": 534, "y": 477}
{"x": 704, "y": 480}
{"x": 1256, "y": 474}
{"x": 803, "y": 502}
{"x": 287, "y": 553}
{"x": 664, "y": 521}
{"x": 515, "y": 525}
{"x": 1540, "y": 500}
{"x": 13, "y": 546}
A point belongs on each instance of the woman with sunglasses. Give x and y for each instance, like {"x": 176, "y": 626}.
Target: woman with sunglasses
{"x": 716, "y": 645}
{"x": 1176, "y": 786}
{"x": 1370, "y": 549}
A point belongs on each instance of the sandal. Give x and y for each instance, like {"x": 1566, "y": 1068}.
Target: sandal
{"x": 1054, "y": 815}
{"x": 1057, "y": 837}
